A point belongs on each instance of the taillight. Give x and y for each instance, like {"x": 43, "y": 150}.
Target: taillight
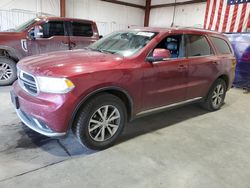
{"x": 234, "y": 62}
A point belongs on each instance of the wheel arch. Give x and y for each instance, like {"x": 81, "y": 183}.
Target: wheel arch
{"x": 9, "y": 52}
{"x": 117, "y": 91}
{"x": 225, "y": 78}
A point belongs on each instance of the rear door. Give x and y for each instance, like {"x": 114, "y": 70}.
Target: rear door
{"x": 203, "y": 65}
{"x": 55, "y": 38}
{"x": 226, "y": 57}
{"x": 82, "y": 34}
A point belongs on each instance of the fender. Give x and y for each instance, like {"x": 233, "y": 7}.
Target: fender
{"x": 12, "y": 52}
{"x": 84, "y": 99}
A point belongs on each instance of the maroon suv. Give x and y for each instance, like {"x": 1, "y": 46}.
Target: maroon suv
{"x": 95, "y": 91}
{"x": 42, "y": 35}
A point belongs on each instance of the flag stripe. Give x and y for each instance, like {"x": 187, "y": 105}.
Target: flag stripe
{"x": 206, "y": 14}
{"x": 242, "y": 17}
{"x": 248, "y": 23}
{"x": 215, "y": 17}
{"x": 212, "y": 16}
{"x": 226, "y": 19}
{"x": 233, "y": 18}
{"x": 219, "y": 16}
{"x": 230, "y": 17}
{"x": 246, "y": 19}
{"x": 209, "y": 13}
{"x": 222, "y": 15}
{"x": 237, "y": 19}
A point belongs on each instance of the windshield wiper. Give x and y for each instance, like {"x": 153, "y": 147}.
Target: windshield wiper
{"x": 107, "y": 51}
{"x": 100, "y": 50}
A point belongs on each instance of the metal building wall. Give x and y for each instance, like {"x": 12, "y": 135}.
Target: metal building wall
{"x": 108, "y": 16}
{"x": 15, "y": 12}
{"x": 191, "y": 15}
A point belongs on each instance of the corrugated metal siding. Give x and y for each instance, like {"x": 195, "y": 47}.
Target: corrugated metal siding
{"x": 12, "y": 18}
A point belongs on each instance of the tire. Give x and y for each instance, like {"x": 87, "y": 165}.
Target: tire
{"x": 8, "y": 71}
{"x": 95, "y": 131}
{"x": 216, "y": 93}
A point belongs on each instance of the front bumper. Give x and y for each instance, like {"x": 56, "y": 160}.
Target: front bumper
{"x": 37, "y": 125}
{"x": 47, "y": 114}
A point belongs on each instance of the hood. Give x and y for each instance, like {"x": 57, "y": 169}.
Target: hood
{"x": 69, "y": 63}
{"x": 9, "y": 33}
{"x": 7, "y": 37}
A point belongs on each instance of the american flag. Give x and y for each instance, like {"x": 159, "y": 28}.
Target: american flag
{"x": 227, "y": 15}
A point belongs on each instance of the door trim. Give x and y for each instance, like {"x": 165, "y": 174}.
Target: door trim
{"x": 168, "y": 106}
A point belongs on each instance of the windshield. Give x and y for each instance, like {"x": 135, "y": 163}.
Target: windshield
{"x": 123, "y": 43}
{"x": 25, "y": 25}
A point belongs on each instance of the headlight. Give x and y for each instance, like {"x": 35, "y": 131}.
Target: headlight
{"x": 54, "y": 85}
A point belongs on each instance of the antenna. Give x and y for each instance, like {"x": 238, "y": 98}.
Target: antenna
{"x": 172, "y": 24}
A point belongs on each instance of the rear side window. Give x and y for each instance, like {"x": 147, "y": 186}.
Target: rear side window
{"x": 53, "y": 28}
{"x": 82, "y": 29}
{"x": 221, "y": 45}
{"x": 197, "y": 45}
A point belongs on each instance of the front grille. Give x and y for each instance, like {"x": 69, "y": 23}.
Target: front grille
{"x": 28, "y": 82}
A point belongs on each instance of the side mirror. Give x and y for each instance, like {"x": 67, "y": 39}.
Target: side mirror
{"x": 159, "y": 54}
{"x": 100, "y": 37}
{"x": 36, "y": 33}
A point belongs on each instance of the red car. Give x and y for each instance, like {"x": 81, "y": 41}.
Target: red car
{"x": 127, "y": 74}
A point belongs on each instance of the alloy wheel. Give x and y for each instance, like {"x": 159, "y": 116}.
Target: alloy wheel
{"x": 218, "y": 95}
{"x": 5, "y": 71}
{"x": 104, "y": 123}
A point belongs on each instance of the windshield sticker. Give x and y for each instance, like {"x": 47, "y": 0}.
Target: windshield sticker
{"x": 145, "y": 34}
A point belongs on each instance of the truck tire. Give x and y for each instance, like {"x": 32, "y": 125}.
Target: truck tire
{"x": 100, "y": 121}
{"x": 8, "y": 71}
{"x": 216, "y": 96}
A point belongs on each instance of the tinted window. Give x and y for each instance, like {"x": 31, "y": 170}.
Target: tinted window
{"x": 82, "y": 29}
{"x": 197, "y": 45}
{"x": 221, "y": 45}
{"x": 173, "y": 44}
{"x": 53, "y": 28}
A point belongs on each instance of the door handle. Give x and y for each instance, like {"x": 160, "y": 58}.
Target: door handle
{"x": 182, "y": 66}
{"x": 64, "y": 43}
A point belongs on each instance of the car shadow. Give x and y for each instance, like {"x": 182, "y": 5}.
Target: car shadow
{"x": 67, "y": 146}
{"x": 70, "y": 146}
{"x": 157, "y": 121}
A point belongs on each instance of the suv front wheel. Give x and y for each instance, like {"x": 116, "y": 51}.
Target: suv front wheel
{"x": 100, "y": 121}
{"x": 216, "y": 96}
{"x": 8, "y": 71}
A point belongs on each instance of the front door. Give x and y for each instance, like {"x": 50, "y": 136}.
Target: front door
{"x": 165, "y": 81}
{"x": 54, "y": 37}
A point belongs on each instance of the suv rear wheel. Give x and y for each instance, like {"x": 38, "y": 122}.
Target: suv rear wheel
{"x": 8, "y": 71}
{"x": 100, "y": 122}
{"x": 216, "y": 96}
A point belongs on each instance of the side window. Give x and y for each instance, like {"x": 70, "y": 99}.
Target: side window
{"x": 82, "y": 29}
{"x": 173, "y": 43}
{"x": 53, "y": 28}
{"x": 221, "y": 45}
{"x": 197, "y": 45}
